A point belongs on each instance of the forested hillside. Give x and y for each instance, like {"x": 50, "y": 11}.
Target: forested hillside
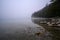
{"x": 49, "y": 11}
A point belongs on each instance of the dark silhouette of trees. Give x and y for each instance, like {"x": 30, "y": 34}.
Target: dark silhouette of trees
{"x": 51, "y": 10}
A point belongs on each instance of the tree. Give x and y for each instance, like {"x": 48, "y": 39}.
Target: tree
{"x": 51, "y": 10}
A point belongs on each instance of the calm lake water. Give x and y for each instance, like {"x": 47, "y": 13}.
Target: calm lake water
{"x": 21, "y": 29}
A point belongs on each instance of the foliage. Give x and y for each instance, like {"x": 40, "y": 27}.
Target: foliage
{"x": 51, "y": 10}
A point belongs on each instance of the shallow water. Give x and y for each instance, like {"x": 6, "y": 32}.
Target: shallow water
{"x": 21, "y": 29}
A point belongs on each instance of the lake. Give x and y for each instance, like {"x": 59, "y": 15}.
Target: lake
{"x": 22, "y": 29}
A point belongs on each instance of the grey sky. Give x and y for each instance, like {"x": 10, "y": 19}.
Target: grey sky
{"x": 20, "y": 8}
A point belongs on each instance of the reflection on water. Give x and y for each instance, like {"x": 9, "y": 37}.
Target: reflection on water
{"x": 21, "y": 29}
{"x": 50, "y": 25}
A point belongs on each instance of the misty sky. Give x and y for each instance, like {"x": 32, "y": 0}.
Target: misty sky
{"x": 20, "y": 8}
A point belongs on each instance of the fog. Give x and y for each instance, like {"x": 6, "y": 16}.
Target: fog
{"x": 16, "y": 9}
{"x": 15, "y": 20}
